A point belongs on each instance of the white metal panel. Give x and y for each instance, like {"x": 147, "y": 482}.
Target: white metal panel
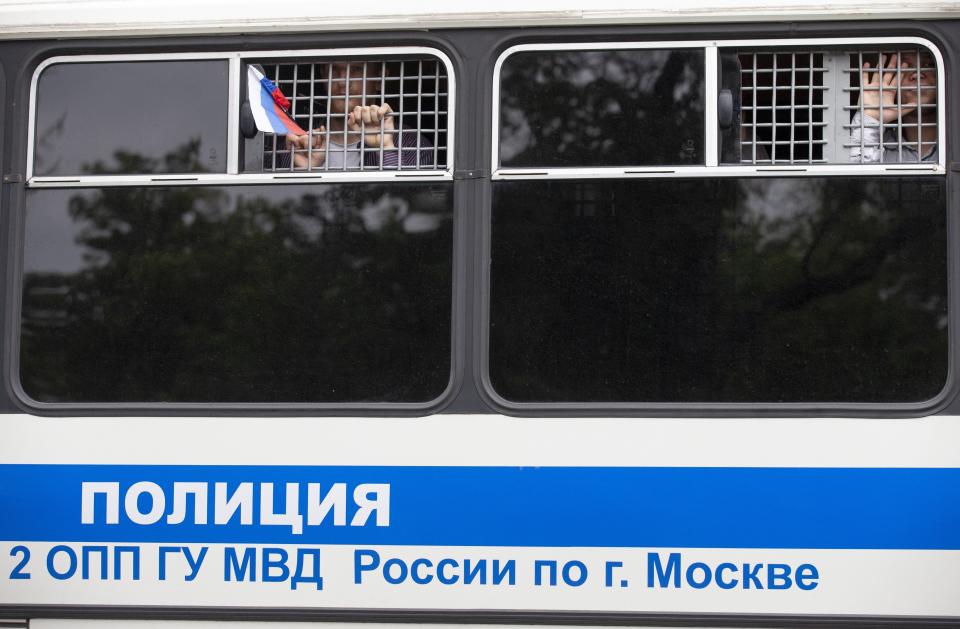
{"x": 45, "y": 18}
{"x": 854, "y": 581}
{"x": 484, "y": 440}
{"x": 857, "y": 582}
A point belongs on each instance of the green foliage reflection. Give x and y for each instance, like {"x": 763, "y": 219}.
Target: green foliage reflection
{"x": 764, "y": 290}
{"x": 325, "y": 293}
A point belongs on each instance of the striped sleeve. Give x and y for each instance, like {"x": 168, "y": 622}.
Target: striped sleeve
{"x": 407, "y": 154}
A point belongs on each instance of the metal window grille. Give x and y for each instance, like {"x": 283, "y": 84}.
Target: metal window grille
{"x": 837, "y": 106}
{"x": 783, "y": 106}
{"x": 892, "y": 106}
{"x": 411, "y": 134}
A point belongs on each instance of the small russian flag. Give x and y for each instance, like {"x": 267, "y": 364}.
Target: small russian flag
{"x": 267, "y": 103}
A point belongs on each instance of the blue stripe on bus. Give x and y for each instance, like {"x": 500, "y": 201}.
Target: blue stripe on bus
{"x": 679, "y": 507}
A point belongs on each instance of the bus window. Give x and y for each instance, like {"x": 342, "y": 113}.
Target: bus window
{"x": 628, "y": 277}
{"x": 251, "y": 294}
{"x": 570, "y": 108}
{"x": 199, "y": 290}
{"x": 131, "y": 117}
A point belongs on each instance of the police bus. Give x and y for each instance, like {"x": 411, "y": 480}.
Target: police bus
{"x": 626, "y": 314}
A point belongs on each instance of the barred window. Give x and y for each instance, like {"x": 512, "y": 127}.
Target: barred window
{"x": 822, "y": 106}
{"x": 795, "y": 254}
{"x": 371, "y": 114}
{"x": 782, "y": 96}
{"x": 170, "y": 256}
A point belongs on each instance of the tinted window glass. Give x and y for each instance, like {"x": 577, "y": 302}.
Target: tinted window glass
{"x": 602, "y": 108}
{"x": 142, "y": 117}
{"x": 334, "y": 293}
{"x": 719, "y": 290}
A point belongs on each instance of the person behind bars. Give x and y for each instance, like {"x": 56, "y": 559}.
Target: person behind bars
{"x": 359, "y": 133}
{"x": 892, "y": 101}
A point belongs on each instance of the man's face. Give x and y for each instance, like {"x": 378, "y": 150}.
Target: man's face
{"x": 917, "y": 76}
{"x": 347, "y": 85}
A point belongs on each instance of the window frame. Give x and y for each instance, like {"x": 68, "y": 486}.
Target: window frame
{"x": 712, "y": 166}
{"x": 236, "y": 59}
{"x": 233, "y": 174}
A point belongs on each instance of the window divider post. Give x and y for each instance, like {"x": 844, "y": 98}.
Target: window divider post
{"x": 233, "y": 114}
{"x": 836, "y": 118}
{"x": 712, "y": 93}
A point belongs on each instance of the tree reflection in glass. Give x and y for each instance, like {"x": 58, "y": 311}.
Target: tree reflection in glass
{"x": 602, "y": 108}
{"x": 723, "y": 290}
{"x": 94, "y": 118}
{"x": 323, "y": 293}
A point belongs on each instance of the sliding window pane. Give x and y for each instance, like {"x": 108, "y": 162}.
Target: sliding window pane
{"x": 602, "y": 108}
{"x": 131, "y": 118}
{"x": 283, "y": 293}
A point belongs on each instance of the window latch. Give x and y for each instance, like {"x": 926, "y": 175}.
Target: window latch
{"x": 725, "y": 108}
{"x": 248, "y": 125}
